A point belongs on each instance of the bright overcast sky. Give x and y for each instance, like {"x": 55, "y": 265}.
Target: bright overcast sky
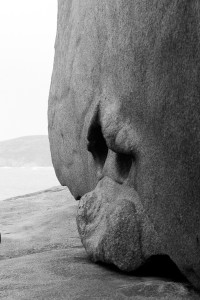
{"x": 27, "y": 35}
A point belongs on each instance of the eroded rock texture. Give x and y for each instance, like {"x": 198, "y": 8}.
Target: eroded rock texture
{"x": 125, "y": 104}
{"x": 114, "y": 227}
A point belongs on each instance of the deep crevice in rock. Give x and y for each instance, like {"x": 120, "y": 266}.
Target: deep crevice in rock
{"x": 96, "y": 142}
{"x": 124, "y": 163}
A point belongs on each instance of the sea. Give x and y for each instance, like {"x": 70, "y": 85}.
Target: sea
{"x": 16, "y": 181}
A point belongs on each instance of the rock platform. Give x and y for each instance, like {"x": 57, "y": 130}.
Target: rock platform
{"x": 41, "y": 257}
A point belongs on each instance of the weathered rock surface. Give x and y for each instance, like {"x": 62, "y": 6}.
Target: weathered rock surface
{"x": 125, "y": 103}
{"x": 114, "y": 227}
{"x": 41, "y": 257}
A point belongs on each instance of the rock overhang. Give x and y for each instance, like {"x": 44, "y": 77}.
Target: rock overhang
{"x": 146, "y": 137}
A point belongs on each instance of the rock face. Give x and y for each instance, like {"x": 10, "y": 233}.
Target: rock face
{"x": 125, "y": 104}
{"x": 42, "y": 257}
{"x": 114, "y": 228}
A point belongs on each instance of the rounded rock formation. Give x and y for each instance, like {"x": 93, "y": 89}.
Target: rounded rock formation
{"x": 125, "y": 104}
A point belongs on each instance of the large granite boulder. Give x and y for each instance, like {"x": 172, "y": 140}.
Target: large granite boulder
{"x": 125, "y": 104}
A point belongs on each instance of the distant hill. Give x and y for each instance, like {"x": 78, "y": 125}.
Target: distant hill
{"x": 27, "y": 151}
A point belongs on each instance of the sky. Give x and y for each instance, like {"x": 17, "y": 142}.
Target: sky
{"x": 27, "y": 36}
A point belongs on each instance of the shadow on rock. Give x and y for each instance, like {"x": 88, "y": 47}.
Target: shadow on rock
{"x": 157, "y": 266}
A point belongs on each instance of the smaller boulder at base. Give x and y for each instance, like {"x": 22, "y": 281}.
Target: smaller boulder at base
{"x": 115, "y": 229}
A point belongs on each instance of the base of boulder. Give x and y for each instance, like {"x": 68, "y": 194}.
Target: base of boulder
{"x": 42, "y": 257}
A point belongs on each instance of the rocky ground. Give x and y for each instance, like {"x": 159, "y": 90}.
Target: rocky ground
{"x": 41, "y": 257}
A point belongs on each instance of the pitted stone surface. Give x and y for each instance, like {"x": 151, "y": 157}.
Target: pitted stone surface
{"x": 114, "y": 228}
